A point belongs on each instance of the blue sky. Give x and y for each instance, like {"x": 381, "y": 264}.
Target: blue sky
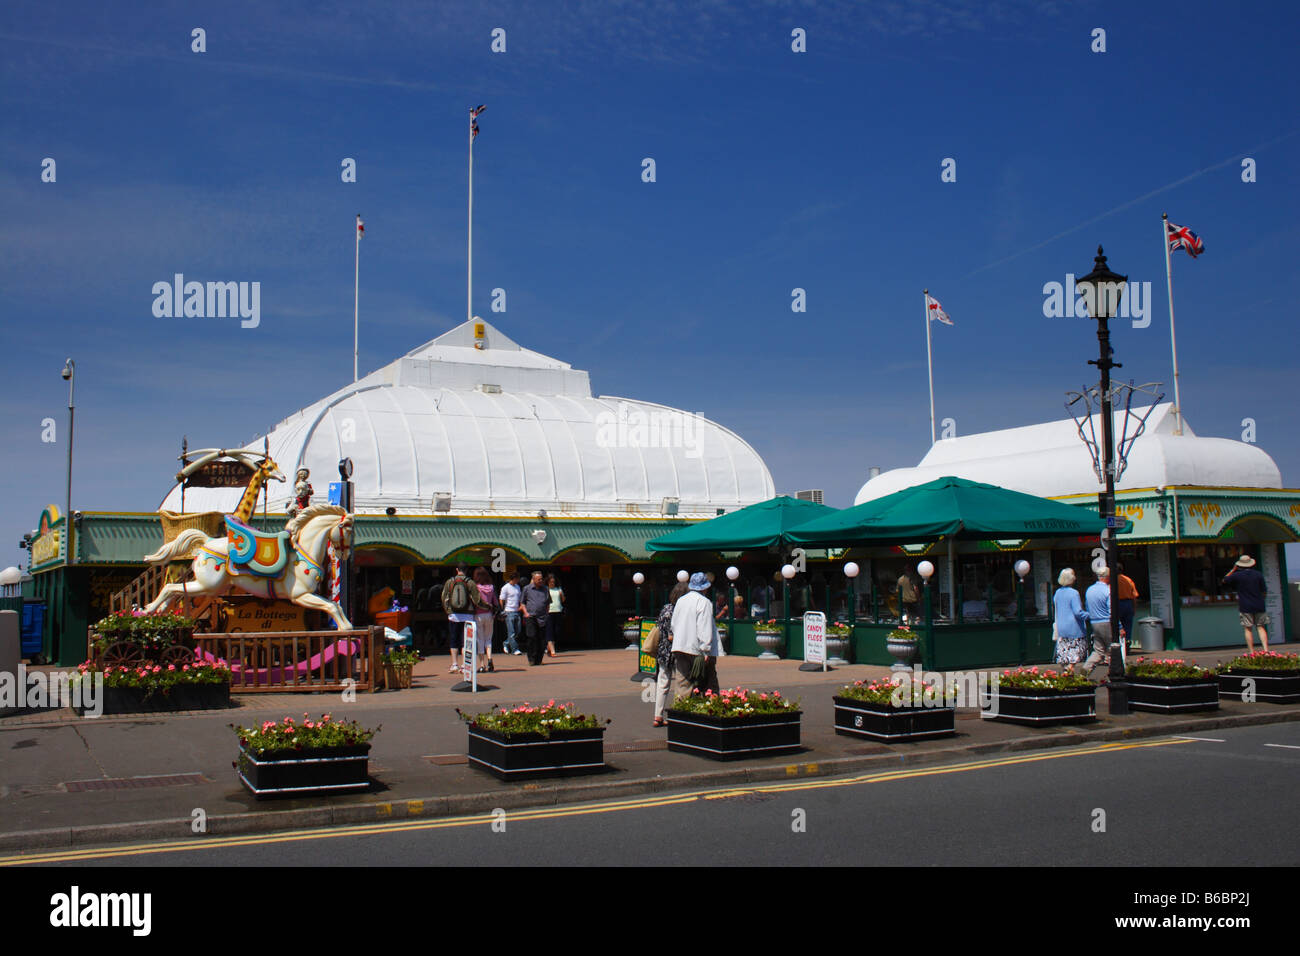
{"x": 775, "y": 170}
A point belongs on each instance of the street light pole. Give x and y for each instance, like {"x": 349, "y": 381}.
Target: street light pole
{"x": 1102, "y": 289}
{"x": 70, "y": 376}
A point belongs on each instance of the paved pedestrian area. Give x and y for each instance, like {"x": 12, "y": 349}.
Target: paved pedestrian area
{"x": 66, "y": 780}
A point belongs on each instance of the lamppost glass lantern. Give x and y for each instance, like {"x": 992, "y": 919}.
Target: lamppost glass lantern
{"x": 1101, "y": 289}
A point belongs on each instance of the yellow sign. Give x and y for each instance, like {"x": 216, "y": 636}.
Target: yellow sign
{"x": 46, "y": 547}
{"x": 647, "y": 664}
{"x": 251, "y": 617}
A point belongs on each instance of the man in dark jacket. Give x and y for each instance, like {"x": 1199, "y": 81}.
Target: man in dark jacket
{"x": 534, "y": 603}
{"x": 1250, "y": 600}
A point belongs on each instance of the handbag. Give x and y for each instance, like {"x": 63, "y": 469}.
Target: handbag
{"x": 652, "y": 641}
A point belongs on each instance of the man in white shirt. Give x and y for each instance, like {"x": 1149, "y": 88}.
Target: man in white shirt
{"x": 510, "y": 608}
{"x": 695, "y": 635}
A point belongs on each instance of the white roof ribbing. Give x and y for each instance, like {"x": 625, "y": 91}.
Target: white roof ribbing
{"x": 423, "y": 425}
{"x": 1050, "y": 460}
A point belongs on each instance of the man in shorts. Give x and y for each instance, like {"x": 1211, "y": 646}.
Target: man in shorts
{"x": 1245, "y": 577}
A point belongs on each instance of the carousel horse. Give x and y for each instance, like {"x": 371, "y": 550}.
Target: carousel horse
{"x": 291, "y": 564}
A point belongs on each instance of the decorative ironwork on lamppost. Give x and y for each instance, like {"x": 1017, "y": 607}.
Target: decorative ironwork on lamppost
{"x": 1101, "y": 290}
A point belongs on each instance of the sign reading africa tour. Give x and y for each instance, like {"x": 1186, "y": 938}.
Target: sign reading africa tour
{"x": 219, "y": 474}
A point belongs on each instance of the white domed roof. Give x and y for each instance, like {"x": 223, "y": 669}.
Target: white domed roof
{"x": 10, "y": 575}
{"x": 503, "y": 430}
{"x": 1051, "y": 461}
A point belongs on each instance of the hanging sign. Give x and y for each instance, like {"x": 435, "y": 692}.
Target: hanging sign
{"x": 220, "y": 473}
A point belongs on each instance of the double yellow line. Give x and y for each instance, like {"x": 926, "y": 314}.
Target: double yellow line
{"x": 554, "y": 813}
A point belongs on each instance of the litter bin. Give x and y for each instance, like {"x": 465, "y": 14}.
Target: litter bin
{"x": 1151, "y": 633}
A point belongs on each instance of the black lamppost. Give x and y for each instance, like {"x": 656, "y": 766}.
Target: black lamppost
{"x": 1102, "y": 290}
{"x": 69, "y": 374}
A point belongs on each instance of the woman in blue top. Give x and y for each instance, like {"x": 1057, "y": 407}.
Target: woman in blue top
{"x": 1071, "y": 622}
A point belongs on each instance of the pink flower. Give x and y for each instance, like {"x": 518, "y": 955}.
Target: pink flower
{"x": 171, "y": 667}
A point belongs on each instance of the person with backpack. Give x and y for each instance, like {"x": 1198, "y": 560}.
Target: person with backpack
{"x": 461, "y": 600}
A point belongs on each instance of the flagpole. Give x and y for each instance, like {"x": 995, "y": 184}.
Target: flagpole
{"x": 469, "y": 257}
{"x": 1173, "y": 341}
{"x": 929, "y": 361}
{"x": 356, "y": 297}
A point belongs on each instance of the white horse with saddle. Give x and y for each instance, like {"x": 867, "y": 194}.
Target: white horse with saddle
{"x": 290, "y": 564}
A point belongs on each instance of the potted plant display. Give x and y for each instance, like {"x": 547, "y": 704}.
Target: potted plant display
{"x": 301, "y": 757}
{"x": 1172, "y": 685}
{"x": 131, "y": 636}
{"x": 536, "y": 740}
{"x": 837, "y": 640}
{"x": 895, "y": 709}
{"x": 769, "y": 635}
{"x": 398, "y": 664}
{"x": 733, "y": 724}
{"x": 1263, "y": 676}
{"x": 902, "y": 643}
{"x": 146, "y": 687}
{"x": 1042, "y": 697}
{"x": 632, "y": 632}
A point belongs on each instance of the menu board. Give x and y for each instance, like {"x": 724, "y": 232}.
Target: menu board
{"x": 1268, "y": 566}
{"x": 1160, "y": 583}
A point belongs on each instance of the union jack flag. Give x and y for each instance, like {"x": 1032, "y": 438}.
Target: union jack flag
{"x": 1180, "y": 237}
{"x": 473, "y": 121}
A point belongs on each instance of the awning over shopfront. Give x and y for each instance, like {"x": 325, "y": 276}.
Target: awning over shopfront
{"x": 757, "y": 526}
{"x": 948, "y": 508}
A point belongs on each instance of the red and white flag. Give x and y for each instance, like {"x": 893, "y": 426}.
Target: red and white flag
{"x": 936, "y": 310}
{"x": 361, "y": 227}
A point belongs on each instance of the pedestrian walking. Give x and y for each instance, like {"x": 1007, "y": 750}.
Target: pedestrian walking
{"x": 485, "y": 618}
{"x": 1126, "y": 602}
{"x": 696, "y": 644}
{"x": 509, "y": 601}
{"x": 461, "y": 600}
{"x": 555, "y": 611}
{"x": 1245, "y": 577}
{"x": 535, "y": 603}
{"x": 1096, "y": 602}
{"x": 1071, "y": 624}
{"x": 664, "y": 656}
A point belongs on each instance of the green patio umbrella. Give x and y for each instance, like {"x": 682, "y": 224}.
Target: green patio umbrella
{"x": 758, "y": 526}
{"x": 951, "y": 508}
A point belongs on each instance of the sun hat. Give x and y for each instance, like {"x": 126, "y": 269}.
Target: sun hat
{"x": 699, "y": 582}
{"x": 1245, "y": 561}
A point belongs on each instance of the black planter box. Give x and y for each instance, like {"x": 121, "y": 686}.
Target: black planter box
{"x": 523, "y": 756}
{"x": 1042, "y": 707}
{"x": 300, "y": 772}
{"x": 1271, "y": 687}
{"x": 858, "y": 718}
{"x": 136, "y": 700}
{"x": 732, "y": 738}
{"x": 1167, "y": 695}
